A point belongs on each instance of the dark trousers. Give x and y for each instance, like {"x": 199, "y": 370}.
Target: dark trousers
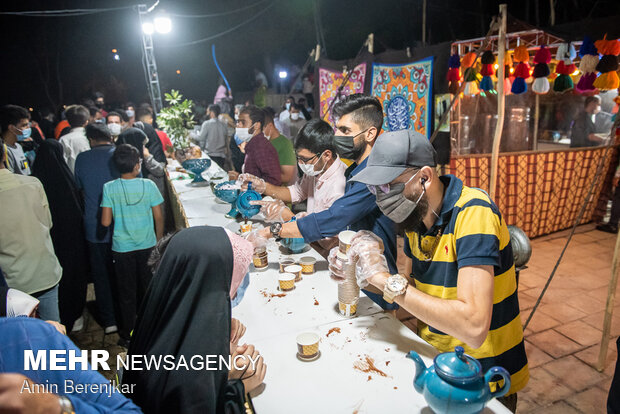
{"x": 615, "y": 207}
{"x": 132, "y": 279}
{"x": 221, "y": 161}
{"x": 102, "y": 271}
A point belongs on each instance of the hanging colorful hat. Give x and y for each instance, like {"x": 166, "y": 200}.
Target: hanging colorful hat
{"x": 541, "y": 70}
{"x": 488, "y": 60}
{"x": 565, "y": 55}
{"x": 454, "y": 73}
{"x": 587, "y": 67}
{"x": 507, "y": 75}
{"x": 522, "y": 72}
{"x": 471, "y": 79}
{"x": 608, "y": 65}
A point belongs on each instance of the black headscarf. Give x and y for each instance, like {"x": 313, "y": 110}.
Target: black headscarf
{"x": 67, "y": 234}
{"x": 186, "y": 312}
{"x": 134, "y": 137}
{"x": 154, "y": 145}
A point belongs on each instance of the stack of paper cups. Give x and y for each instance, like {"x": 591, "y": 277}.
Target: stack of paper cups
{"x": 348, "y": 290}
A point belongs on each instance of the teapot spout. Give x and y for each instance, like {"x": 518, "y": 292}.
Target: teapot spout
{"x": 420, "y": 371}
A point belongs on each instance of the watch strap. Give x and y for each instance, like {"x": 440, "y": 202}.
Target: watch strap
{"x": 66, "y": 406}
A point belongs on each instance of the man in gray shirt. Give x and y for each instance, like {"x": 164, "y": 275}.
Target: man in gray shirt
{"x": 213, "y": 136}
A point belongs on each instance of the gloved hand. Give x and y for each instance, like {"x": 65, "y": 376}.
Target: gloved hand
{"x": 256, "y": 239}
{"x": 258, "y": 184}
{"x": 366, "y": 252}
{"x": 336, "y": 265}
{"x": 301, "y": 214}
{"x": 272, "y": 210}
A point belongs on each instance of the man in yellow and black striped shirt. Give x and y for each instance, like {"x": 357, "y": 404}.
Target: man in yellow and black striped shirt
{"x": 464, "y": 290}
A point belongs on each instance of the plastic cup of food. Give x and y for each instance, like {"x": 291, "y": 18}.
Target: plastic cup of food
{"x": 344, "y": 240}
{"x": 246, "y": 227}
{"x": 307, "y": 265}
{"x": 294, "y": 269}
{"x": 308, "y": 345}
{"x": 286, "y": 261}
{"x": 286, "y": 281}
{"x": 260, "y": 259}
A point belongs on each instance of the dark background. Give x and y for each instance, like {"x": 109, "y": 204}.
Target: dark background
{"x": 49, "y": 61}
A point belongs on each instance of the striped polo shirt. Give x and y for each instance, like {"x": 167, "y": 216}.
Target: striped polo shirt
{"x": 474, "y": 234}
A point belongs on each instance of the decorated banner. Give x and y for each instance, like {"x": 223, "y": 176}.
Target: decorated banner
{"x": 330, "y": 81}
{"x": 405, "y": 92}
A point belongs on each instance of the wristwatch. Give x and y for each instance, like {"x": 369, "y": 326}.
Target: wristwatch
{"x": 395, "y": 285}
{"x": 275, "y": 230}
{"x": 66, "y": 407}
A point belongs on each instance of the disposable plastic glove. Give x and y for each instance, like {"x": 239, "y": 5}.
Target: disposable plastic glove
{"x": 366, "y": 252}
{"x": 258, "y": 184}
{"x": 336, "y": 265}
{"x": 272, "y": 210}
{"x": 256, "y": 239}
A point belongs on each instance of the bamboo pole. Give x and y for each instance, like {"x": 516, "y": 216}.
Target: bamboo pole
{"x": 371, "y": 43}
{"x": 501, "y": 99}
{"x": 536, "y": 119}
{"x": 609, "y": 308}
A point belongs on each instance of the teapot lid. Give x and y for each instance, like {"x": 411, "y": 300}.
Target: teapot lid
{"x": 457, "y": 366}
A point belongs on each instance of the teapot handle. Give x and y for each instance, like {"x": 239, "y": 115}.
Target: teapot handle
{"x": 504, "y": 374}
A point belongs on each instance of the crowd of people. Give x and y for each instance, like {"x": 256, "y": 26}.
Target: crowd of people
{"x": 90, "y": 204}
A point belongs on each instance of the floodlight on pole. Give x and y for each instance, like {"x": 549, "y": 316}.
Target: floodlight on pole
{"x": 148, "y": 28}
{"x": 163, "y": 24}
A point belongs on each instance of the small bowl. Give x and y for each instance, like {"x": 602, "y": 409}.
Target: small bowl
{"x": 286, "y": 261}
{"x": 286, "y": 282}
{"x": 307, "y": 345}
{"x": 197, "y": 166}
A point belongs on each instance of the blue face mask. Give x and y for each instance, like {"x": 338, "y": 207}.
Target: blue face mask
{"x": 25, "y": 134}
{"x": 241, "y": 290}
{"x": 238, "y": 140}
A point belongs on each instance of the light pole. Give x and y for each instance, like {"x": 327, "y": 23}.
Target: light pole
{"x": 160, "y": 24}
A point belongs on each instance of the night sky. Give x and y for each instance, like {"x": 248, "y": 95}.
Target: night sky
{"x": 59, "y": 60}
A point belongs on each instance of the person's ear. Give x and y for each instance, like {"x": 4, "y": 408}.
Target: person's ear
{"x": 371, "y": 134}
{"x": 426, "y": 175}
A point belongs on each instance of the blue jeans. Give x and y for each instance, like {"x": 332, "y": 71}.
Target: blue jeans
{"x": 48, "y": 304}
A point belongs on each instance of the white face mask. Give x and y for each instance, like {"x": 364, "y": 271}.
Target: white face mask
{"x": 287, "y": 106}
{"x": 115, "y": 129}
{"x": 308, "y": 169}
{"x": 236, "y": 117}
{"x": 130, "y": 113}
{"x": 243, "y": 134}
{"x": 294, "y": 116}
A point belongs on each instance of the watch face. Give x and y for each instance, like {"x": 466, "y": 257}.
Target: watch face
{"x": 396, "y": 284}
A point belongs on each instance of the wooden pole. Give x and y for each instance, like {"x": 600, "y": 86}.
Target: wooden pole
{"x": 536, "y": 119}
{"x": 317, "y": 53}
{"x": 423, "y": 22}
{"x": 552, "y": 12}
{"x": 371, "y": 43}
{"x": 501, "y": 99}
{"x": 609, "y": 308}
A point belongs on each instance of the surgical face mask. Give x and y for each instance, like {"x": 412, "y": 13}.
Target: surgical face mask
{"x": 99, "y": 121}
{"x": 236, "y": 117}
{"x": 287, "y": 106}
{"x": 115, "y": 129}
{"x": 243, "y": 134}
{"x": 130, "y": 113}
{"x": 346, "y": 148}
{"x": 394, "y": 204}
{"x": 25, "y": 134}
{"x": 294, "y": 116}
{"x": 308, "y": 169}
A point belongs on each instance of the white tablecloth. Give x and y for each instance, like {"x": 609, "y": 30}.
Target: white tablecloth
{"x": 331, "y": 384}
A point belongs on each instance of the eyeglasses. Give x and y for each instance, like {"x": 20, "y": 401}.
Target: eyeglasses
{"x": 307, "y": 160}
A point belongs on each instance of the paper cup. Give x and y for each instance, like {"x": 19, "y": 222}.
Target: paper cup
{"x": 294, "y": 269}
{"x": 344, "y": 240}
{"x": 246, "y": 227}
{"x": 347, "y": 309}
{"x": 259, "y": 259}
{"x": 286, "y": 281}
{"x": 307, "y": 345}
{"x": 286, "y": 261}
{"x": 307, "y": 265}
